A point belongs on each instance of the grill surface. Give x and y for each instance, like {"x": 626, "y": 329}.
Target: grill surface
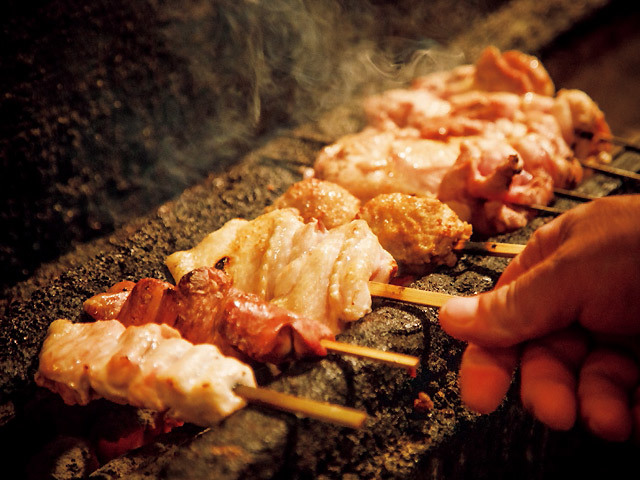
{"x": 398, "y": 442}
{"x": 446, "y": 442}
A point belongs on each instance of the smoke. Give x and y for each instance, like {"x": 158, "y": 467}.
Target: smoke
{"x": 292, "y": 59}
{"x": 112, "y": 108}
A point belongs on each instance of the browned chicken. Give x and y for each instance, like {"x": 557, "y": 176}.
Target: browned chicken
{"x": 206, "y": 308}
{"x": 327, "y": 202}
{"x": 417, "y": 231}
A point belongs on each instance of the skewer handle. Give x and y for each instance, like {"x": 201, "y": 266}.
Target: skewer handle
{"x": 490, "y": 248}
{"x": 411, "y": 295}
{"x": 396, "y": 359}
{"x": 327, "y": 412}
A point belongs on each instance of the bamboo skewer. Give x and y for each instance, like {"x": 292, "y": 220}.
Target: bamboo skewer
{"x": 396, "y": 359}
{"x": 541, "y": 208}
{"x": 495, "y": 249}
{"x": 618, "y": 172}
{"x": 411, "y": 295}
{"x": 620, "y": 142}
{"x": 327, "y": 412}
{"x": 573, "y": 195}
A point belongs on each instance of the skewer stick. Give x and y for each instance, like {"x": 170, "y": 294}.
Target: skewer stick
{"x": 495, "y": 249}
{"x": 411, "y": 295}
{"x": 396, "y": 359}
{"x": 573, "y": 195}
{"x": 327, "y": 412}
{"x": 621, "y": 142}
{"x": 541, "y": 208}
{"x": 618, "y": 172}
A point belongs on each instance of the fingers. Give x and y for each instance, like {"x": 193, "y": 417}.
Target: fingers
{"x": 516, "y": 310}
{"x": 542, "y": 244}
{"x": 532, "y": 307}
{"x": 548, "y": 378}
{"x": 606, "y": 382}
{"x": 485, "y": 376}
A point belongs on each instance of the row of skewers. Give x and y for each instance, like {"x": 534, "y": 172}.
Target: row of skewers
{"x": 242, "y": 296}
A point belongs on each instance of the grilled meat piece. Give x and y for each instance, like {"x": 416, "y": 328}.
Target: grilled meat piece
{"x": 328, "y": 202}
{"x": 148, "y": 366}
{"x": 107, "y": 305}
{"x": 373, "y": 162}
{"x": 503, "y": 101}
{"x": 416, "y": 230}
{"x": 206, "y": 308}
{"x": 303, "y": 267}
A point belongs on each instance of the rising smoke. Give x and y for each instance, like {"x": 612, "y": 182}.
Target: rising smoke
{"x": 111, "y": 108}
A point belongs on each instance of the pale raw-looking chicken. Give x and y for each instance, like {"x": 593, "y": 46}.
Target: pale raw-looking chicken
{"x": 327, "y": 202}
{"x": 373, "y": 161}
{"x": 147, "y": 366}
{"x": 519, "y": 120}
{"x": 503, "y": 103}
{"x": 417, "y": 231}
{"x": 493, "y": 71}
{"x": 303, "y": 267}
{"x": 205, "y": 308}
{"x": 483, "y": 179}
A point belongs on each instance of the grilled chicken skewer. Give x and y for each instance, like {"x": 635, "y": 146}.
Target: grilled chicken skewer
{"x": 149, "y": 366}
{"x": 152, "y": 366}
{"x": 303, "y": 267}
{"x": 206, "y": 308}
{"x": 485, "y": 139}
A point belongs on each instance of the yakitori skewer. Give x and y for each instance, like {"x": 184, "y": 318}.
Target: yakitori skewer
{"x": 152, "y": 366}
{"x": 495, "y": 249}
{"x": 155, "y": 301}
{"x": 326, "y": 412}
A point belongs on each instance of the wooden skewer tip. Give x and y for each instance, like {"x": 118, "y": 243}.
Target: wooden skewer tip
{"x": 327, "y": 412}
{"x": 409, "y": 362}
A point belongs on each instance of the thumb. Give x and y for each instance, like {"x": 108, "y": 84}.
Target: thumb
{"x": 533, "y": 305}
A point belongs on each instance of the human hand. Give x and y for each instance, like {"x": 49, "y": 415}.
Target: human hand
{"x": 568, "y": 309}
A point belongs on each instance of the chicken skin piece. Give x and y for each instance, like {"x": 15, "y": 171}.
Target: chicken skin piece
{"x": 302, "y": 267}
{"x": 148, "y": 366}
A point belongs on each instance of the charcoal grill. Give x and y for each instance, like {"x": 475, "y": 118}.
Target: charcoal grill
{"x": 40, "y": 435}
